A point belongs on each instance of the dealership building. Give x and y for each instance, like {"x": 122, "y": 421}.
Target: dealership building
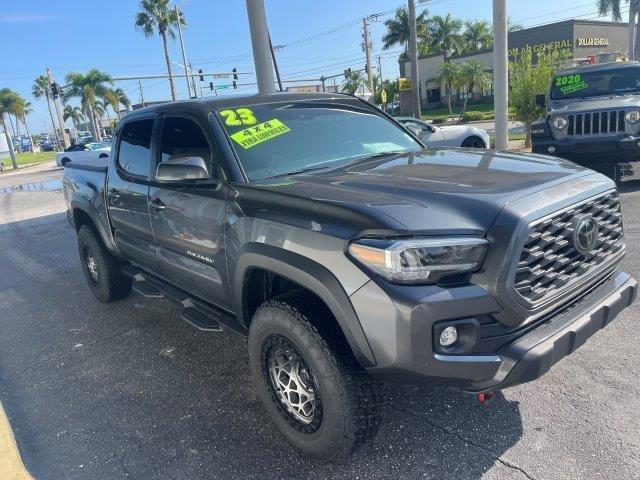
{"x": 588, "y": 41}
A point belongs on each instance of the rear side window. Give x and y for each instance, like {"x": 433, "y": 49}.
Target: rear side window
{"x": 134, "y": 154}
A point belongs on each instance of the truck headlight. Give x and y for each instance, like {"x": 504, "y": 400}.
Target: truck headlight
{"x": 560, "y": 123}
{"x": 632, "y": 116}
{"x": 420, "y": 260}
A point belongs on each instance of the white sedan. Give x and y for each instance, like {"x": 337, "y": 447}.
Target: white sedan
{"x": 447, "y": 136}
{"x": 83, "y": 152}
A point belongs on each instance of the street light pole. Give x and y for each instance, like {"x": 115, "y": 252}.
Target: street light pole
{"x": 63, "y": 133}
{"x": 413, "y": 53}
{"x": 500, "y": 74}
{"x": 367, "y": 52}
{"x": 260, "y": 46}
{"x": 184, "y": 55}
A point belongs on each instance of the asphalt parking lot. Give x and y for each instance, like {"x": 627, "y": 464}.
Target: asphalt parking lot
{"x": 128, "y": 390}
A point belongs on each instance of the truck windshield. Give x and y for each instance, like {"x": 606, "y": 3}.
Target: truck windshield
{"x": 290, "y": 137}
{"x": 617, "y": 81}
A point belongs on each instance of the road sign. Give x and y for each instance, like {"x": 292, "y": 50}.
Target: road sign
{"x": 220, "y": 75}
{"x": 404, "y": 84}
{"x": 383, "y": 96}
{"x": 222, "y": 87}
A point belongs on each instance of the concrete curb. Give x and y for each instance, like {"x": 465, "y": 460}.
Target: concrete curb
{"x": 11, "y": 466}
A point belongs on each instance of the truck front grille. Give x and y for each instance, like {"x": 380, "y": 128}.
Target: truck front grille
{"x": 596, "y": 123}
{"x": 550, "y": 263}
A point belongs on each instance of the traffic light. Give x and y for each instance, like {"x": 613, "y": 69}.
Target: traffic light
{"x": 55, "y": 90}
{"x": 211, "y": 86}
{"x": 235, "y": 74}
{"x": 347, "y": 72}
{"x": 201, "y": 76}
{"x": 235, "y": 85}
{"x": 366, "y": 68}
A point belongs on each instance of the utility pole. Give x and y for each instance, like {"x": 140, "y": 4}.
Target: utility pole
{"x": 322, "y": 80}
{"x": 367, "y": 51}
{"x": 193, "y": 81}
{"x": 141, "y": 94}
{"x": 413, "y": 53}
{"x": 380, "y": 69}
{"x": 275, "y": 63}
{"x": 184, "y": 55}
{"x": 65, "y": 137}
{"x": 260, "y": 46}
{"x": 500, "y": 74}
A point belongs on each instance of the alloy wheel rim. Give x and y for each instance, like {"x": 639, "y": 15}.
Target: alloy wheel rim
{"x": 92, "y": 265}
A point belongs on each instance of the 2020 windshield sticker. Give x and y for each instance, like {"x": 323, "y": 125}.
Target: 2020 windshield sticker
{"x": 570, "y": 84}
{"x": 252, "y": 136}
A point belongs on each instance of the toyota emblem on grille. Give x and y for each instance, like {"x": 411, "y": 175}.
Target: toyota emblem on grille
{"x": 585, "y": 234}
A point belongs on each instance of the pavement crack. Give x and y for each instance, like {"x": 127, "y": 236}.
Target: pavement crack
{"x": 463, "y": 439}
{"x": 65, "y": 353}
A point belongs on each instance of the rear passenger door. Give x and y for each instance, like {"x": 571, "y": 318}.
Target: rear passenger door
{"x": 128, "y": 190}
{"x": 188, "y": 219}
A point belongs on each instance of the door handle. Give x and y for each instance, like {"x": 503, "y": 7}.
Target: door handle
{"x": 114, "y": 194}
{"x": 157, "y": 205}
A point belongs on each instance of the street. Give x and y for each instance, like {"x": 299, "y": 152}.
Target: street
{"x": 128, "y": 390}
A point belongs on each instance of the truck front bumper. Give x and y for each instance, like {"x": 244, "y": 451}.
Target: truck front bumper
{"x": 526, "y": 354}
{"x": 592, "y": 150}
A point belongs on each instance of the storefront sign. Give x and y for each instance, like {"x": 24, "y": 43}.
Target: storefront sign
{"x": 541, "y": 47}
{"x": 404, "y": 84}
{"x": 593, "y": 42}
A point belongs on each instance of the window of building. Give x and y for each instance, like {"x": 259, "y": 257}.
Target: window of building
{"x": 134, "y": 153}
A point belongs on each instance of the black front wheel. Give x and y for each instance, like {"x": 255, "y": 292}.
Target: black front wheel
{"x": 473, "y": 142}
{"x": 317, "y": 395}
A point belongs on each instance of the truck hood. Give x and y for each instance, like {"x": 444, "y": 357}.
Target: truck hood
{"x": 612, "y": 102}
{"x": 434, "y": 191}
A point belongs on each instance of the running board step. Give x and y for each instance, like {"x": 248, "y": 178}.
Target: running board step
{"x": 200, "y": 320}
{"x": 146, "y": 289}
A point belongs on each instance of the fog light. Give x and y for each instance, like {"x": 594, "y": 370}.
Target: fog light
{"x": 551, "y": 149}
{"x": 449, "y": 336}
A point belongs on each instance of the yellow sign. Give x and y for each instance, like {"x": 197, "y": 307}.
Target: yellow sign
{"x": 540, "y": 47}
{"x": 252, "y": 136}
{"x": 404, "y": 84}
{"x": 593, "y": 42}
{"x": 239, "y": 116}
{"x": 383, "y": 96}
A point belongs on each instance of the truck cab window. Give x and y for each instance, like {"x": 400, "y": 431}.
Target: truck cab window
{"x": 182, "y": 137}
{"x": 134, "y": 153}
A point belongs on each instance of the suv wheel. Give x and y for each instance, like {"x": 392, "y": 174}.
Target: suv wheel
{"x": 320, "y": 399}
{"x": 101, "y": 269}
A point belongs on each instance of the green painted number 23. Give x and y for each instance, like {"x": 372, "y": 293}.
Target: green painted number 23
{"x": 239, "y": 116}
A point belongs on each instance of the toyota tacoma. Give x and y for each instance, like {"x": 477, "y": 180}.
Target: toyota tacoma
{"x": 348, "y": 253}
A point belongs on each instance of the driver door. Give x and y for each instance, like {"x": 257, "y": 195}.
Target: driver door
{"x": 188, "y": 218}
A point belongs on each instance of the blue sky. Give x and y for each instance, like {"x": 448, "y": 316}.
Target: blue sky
{"x": 81, "y": 34}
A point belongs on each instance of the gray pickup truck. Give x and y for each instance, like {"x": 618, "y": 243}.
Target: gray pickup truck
{"x": 348, "y": 253}
{"x": 593, "y": 118}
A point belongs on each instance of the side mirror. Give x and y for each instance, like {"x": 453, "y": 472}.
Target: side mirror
{"x": 182, "y": 169}
{"x": 541, "y": 100}
{"x": 418, "y": 132}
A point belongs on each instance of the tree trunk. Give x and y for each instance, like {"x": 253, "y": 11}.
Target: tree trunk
{"x": 166, "y": 58}
{"x": 450, "y": 92}
{"x": 7, "y": 134}
{"x": 13, "y": 130}
{"x": 633, "y": 14}
{"x": 26, "y": 127}
{"x": 92, "y": 122}
{"x": 527, "y": 130}
{"x": 53, "y": 124}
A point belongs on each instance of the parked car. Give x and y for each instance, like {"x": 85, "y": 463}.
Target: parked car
{"x": 83, "y": 152}
{"x": 593, "y": 118}
{"x": 47, "y": 145}
{"x": 447, "y": 136}
{"x": 349, "y": 253}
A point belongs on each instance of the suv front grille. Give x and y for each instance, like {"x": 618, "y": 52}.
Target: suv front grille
{"x": 549, "y": 262}
{"x": 596, "y": 123}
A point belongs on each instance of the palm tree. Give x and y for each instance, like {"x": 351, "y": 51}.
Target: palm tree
{"x": 614, "y": 7}
{"x": 124, "y": 100}
{"x": 353, "y": 81}
{"x": 474, "y": 74}
{"x": 7, "y": 98}
{"x": 477, "y": 36}
{"x": 73, "y": 113}
{"x": 398, "y": 29}
{"x": 159, "y": 15}
{"x": 41, "y": 89}
{"x": 87, "y": 87}
{"x": 451, "y": 76}
{"x": 112, "y": 99}
{"x": 445, "y": 32}
{"x": 22, "y": 108}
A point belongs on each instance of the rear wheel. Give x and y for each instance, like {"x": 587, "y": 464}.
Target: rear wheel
{"x": 473, "y": 142}
{"x": 101, "y": 269}
{"x": 317, "y": 395}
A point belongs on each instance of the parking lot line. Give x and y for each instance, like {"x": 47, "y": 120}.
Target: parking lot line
{"x": 11, "y": 466}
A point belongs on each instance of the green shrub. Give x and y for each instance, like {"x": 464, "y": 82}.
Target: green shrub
{"x": 473, "y": 116}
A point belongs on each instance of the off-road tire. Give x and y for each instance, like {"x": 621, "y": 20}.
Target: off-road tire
{"x": 110, "y": 284}
{"x": 351, "y": 401}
